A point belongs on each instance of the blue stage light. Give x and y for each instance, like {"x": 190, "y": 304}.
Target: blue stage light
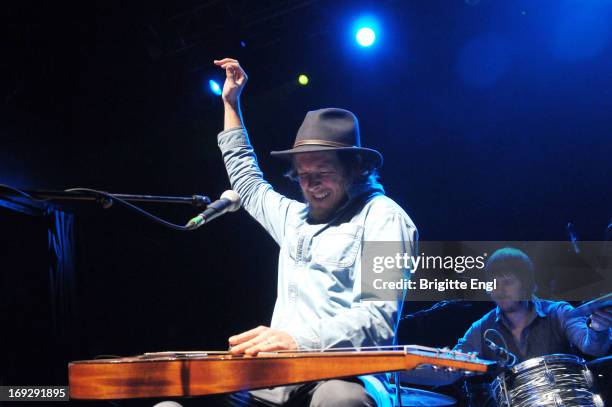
{"x": 365, "y": 36}
{"x": 214, "y": 87}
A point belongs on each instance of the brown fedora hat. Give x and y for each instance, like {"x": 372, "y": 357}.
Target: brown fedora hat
{"x": 330, "y": 129}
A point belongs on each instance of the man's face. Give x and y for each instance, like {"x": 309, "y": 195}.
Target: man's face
{"x": 323, "y": 182}
{"x": 509, "y": 294}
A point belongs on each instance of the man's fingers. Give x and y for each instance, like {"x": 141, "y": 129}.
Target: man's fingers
{"x": 596, "y": 321}
{"x": 240, "y": 349}
{"x": 602, "y": 316}
{"x": 246, "y": 336}
{"x": 233, "y": 69}
{"x": 230, "y": 64}
{"x": 250, "y": 344}
{"x": 235, "y": 74}
{"x": 235, "y": 80}
{"x": 270, "y": 344}
{"x": 599, "y": 323}
{"x": 605, "y": 311}
{"x": 224, "y": 61}
{"x": 268, "y": 340}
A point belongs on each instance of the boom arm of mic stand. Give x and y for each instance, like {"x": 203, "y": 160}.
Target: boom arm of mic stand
{"x": 198, "y": 201}
{"x": 43, "y": 199}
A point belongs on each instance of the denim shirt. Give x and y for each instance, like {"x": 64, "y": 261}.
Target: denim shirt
{"x": 551, "y": 331}
{"x": 319, "y": 300}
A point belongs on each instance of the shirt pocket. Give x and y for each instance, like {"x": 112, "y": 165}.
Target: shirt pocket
{"x": 338, "y": 246}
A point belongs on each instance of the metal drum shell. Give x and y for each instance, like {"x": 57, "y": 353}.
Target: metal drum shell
{"x": 567, "y": 382}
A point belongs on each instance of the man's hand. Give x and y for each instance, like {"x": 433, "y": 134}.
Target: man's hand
{"x": 235, "y": 79}
{"x": 261, "y": 339}
{"x": 601, "y": 320}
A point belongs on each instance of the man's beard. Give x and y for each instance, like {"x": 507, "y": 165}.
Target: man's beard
{"x": 512, "y": 306}
{"x": 322, "y": 216}
{"x": 318, "y": 215}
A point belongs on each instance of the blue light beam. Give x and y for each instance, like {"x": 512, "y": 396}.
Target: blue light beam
{"x": 214, "y": 87}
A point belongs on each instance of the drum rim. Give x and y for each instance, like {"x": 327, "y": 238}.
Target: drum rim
{"x": 555, "y": 357}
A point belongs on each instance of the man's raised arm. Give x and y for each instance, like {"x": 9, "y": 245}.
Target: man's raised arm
{"x": 260, "y": 200}
{"x": 235, "y": 79}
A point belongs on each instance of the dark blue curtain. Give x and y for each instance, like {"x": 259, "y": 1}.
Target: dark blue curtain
{"x": 62, "y": 282}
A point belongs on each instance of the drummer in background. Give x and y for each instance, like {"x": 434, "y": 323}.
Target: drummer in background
{"x": 529, "y": 326}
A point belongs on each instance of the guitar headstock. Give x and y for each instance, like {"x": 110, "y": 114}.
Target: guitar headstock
{"x": 442, "y": 366}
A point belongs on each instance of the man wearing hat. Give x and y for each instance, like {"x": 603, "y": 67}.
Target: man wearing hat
{"x": 319, "y": 303}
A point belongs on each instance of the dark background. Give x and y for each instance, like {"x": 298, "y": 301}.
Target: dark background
{"x": 494, "y": 118}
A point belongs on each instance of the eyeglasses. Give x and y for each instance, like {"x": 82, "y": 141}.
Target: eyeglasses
{"x": 322, "y": 175}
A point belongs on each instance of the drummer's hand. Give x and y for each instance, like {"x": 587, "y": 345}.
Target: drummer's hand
{"x": 601, "y": 319}
{"x": 261, "y": 339}
{"x": 235, "y": 79}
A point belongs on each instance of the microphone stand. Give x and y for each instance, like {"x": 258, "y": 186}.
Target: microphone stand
{"x": 61, "y": 238}
{"x": 437, "y": 307}
{"x": 195, "y": 200}
{"x": 38, "y": 198}
{"x": 37, "y": 202}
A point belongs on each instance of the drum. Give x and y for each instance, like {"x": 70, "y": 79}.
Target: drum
{"x": 602, "y": 370}
{"x": 552, "y": 380}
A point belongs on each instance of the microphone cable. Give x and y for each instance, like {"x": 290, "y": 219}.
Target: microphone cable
{"x": 106, "y": 195}
{"x": 133, "y": 207}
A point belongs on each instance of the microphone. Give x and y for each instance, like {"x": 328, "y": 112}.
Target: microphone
{"x": 498, "y": 350}
{"x": 506, "y": 357}
{"x": 229, "y": 202}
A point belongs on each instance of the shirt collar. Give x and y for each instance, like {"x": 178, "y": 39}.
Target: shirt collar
{"x": 358, "y": 190}
{"x": 540, "y": 311}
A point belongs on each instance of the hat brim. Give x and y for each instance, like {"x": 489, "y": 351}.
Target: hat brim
{"x": 373, "y": 157}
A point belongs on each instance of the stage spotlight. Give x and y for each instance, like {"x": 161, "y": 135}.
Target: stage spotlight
{"x": 303, "y": 80}
{"x": 365, "y": 36}
{"x": 214, "y": 87}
